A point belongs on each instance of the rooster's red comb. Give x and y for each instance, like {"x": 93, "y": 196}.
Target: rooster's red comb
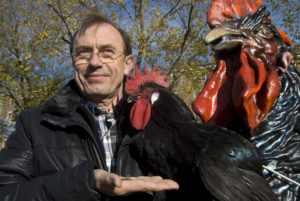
{"x": 134, "y": 82}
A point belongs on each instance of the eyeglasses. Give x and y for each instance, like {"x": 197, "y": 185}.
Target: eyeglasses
{"x": 83, "y": 57}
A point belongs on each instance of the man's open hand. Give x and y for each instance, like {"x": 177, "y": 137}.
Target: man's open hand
{"x": 113, "y": 185}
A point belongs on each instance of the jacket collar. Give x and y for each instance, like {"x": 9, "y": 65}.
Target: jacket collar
{"x": 65, "y": 101}
{"x": 62, "y": 106}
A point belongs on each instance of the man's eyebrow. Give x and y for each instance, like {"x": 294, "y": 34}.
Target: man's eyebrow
{"x": 102, "y": 47}
{"x": 83, "y": 47}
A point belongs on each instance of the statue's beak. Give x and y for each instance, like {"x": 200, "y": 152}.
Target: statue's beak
{"x": 224, "y": 38}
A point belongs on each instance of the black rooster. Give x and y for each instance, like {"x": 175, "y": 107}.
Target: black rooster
{"x": 255, "y": 90}
{"x": 208, "y": 162}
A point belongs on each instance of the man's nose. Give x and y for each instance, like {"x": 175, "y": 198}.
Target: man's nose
{"x": 95, "y": 60}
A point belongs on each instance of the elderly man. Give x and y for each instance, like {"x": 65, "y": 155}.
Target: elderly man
{"x": 72, "y": 147}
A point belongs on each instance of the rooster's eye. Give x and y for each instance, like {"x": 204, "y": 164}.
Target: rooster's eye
{"x": 147, "y": 89}
{"x": 265, "y": 32}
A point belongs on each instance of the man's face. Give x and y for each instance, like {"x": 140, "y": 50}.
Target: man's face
{"x": 95, "y": 78}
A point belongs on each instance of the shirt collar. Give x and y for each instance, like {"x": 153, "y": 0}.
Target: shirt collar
{"x": 96, "y": 110}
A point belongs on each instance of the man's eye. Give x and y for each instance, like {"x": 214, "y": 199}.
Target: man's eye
{"x": 83, "y": 53}
{"x": 107, "y": 54}
{"x": 108, "y": 51}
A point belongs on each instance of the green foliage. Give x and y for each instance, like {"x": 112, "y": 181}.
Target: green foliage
{"x": 28, "y": 72}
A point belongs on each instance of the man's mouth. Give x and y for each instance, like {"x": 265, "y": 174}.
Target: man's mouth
{"x": 96, "y": 76}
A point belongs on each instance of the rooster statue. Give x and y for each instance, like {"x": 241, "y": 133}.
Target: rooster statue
{"x": 254, "y": 89}
{"x": 208, "y": 162}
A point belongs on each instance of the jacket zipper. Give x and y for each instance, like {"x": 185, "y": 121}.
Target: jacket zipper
{"x": 96, "y": 140}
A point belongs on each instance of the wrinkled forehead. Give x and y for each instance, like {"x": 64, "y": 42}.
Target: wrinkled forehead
{"x": 98, "y": 35}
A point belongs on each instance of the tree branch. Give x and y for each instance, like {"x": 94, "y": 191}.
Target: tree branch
{"x": 87, "y": 7}
{"x": 182, "y": 47}
{"x": 69, "y": 32}
{"x": 11, "y": 96}
{"x": 138, "y": 6}
{"x": 170, "y": 12}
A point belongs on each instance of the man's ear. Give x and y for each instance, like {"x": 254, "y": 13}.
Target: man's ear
{"x": 129, "y": 62}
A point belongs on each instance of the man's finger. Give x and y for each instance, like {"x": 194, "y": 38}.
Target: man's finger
{"x": 143, "y": 177}
{"x": 143, "y": 184}
{"x": 161, "y": 185}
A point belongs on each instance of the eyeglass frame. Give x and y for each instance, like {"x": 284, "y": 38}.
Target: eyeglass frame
{"x": 86, "y": 60}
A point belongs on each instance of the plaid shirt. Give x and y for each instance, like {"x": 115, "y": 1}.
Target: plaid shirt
{"x": 106, "y": 124}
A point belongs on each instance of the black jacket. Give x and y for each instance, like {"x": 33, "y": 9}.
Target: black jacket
{"x": 54, "y": 150}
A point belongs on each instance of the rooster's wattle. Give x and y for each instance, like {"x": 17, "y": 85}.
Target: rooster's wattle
{"x": 254, "y": 89}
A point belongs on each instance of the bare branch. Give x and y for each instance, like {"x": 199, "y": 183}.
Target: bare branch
{"x": 63, "y": 20}
{"x": 138, "y": 5}
{"x": 11, "y": 96}
{"x": 172, "y": 10}
{"x": 183, "y": 44}
{"x": 168, "y": 14}
{"x": 87, "y": 7}
{"x": 127, "y": 11}
{"x": 66, "y": 40}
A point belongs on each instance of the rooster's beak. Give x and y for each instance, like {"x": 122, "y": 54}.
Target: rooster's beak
{"x": 224, "y": 38}
{"x": 132, "y": 98}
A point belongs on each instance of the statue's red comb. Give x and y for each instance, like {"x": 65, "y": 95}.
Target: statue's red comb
{"x": 134, "y": 82}
{"x": 222, "y": 11}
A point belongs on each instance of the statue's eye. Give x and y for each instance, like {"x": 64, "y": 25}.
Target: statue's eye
{"x": 265, "y": 32}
